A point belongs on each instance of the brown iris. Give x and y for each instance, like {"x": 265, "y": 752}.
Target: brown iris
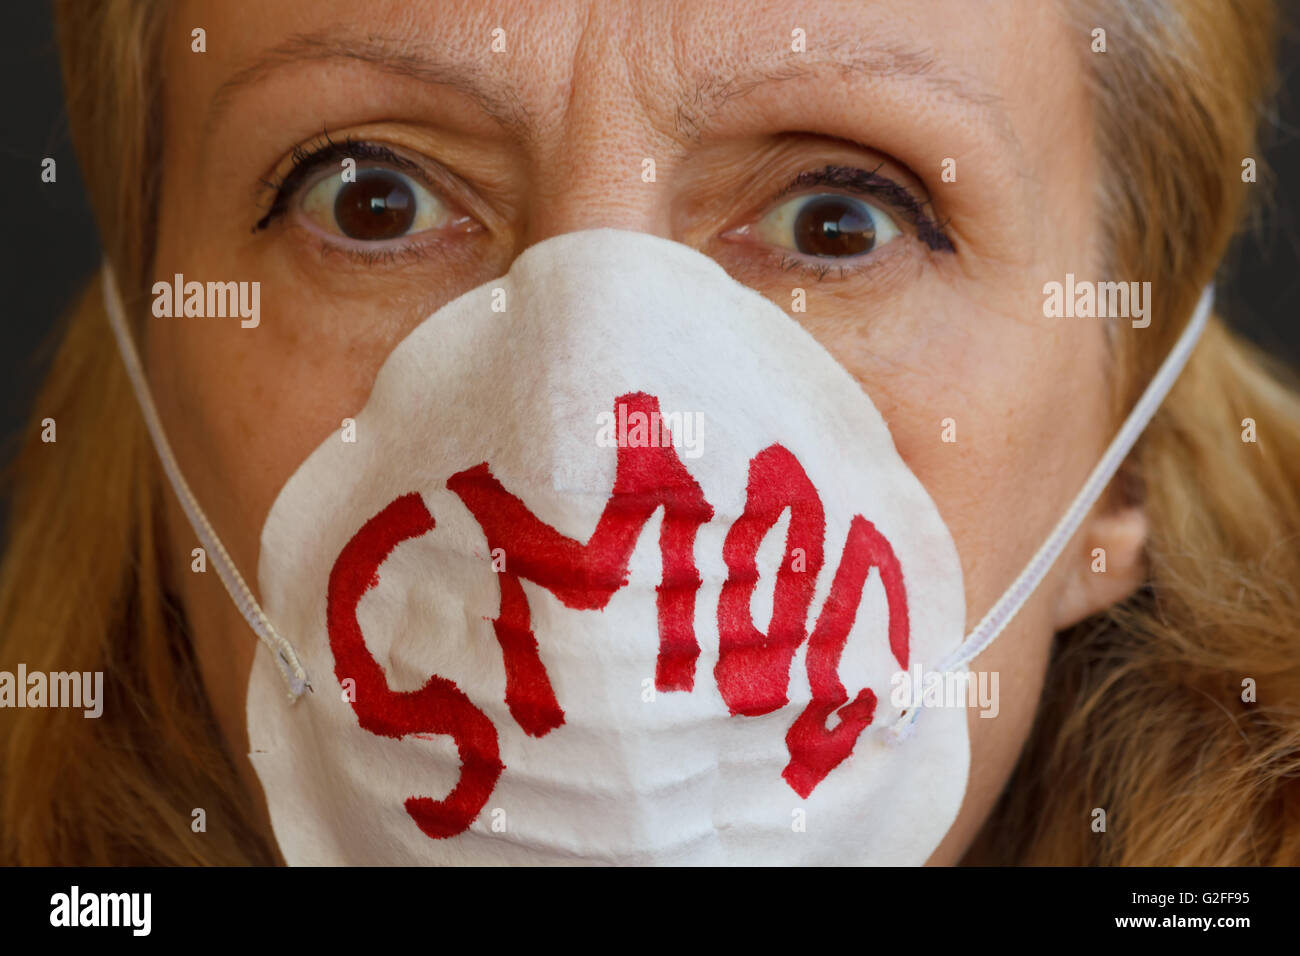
{"x": 379, "y": 205}
{"x": 834, "y": 226}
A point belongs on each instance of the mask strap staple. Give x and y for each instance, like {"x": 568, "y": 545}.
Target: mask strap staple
{"x": 286, "y": 658}
{"x": 1007, "y": 606}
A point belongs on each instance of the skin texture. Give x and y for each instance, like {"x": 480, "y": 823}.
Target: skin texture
{"x": 583, "y": 94}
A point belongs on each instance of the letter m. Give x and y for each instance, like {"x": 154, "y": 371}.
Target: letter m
{"x": 1115, "y": 297}
{"x": 584, "y": 576}
{"x": 223, "y": 299}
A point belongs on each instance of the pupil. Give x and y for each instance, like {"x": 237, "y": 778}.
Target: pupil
{"x": 379, "y": 205}
{"x": 834, "y": 226}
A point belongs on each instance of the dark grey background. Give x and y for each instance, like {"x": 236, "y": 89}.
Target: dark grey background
{"x": 50, "y": 245}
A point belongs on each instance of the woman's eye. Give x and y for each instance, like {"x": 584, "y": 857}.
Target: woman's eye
{"x": 828, "y": 225}
{"x": 381, "y": 204}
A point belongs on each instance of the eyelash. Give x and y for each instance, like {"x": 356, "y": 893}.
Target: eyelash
{"x": 307, "y": 158}
{"x": 871, "y": 183}
{"x": 863, "y": 182}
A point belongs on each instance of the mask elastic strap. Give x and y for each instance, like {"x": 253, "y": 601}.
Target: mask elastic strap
{"x": 1007, "y": 606}
{"x": 285, "y": 657}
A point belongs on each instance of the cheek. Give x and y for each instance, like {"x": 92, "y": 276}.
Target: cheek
{"x": 1000, "y": 414}
{"x": 243, "y": 408}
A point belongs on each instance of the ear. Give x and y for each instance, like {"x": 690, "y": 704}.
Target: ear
{"x": 1096, "y": 579}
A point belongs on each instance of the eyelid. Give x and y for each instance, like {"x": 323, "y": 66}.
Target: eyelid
{"x": 895, "y": 196}
{"x": 886, "y": 230}
{"x": 898, "y": 201}
{"x": 306, "y": 160}
{"x": 320, "y": 212}
{"x": 314, "y": 177}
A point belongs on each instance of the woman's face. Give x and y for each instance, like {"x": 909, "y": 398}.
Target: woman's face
{"x": 950, "y": 128}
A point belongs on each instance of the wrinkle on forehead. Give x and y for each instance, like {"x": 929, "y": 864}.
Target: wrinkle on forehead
{"x": 448, "y": 64}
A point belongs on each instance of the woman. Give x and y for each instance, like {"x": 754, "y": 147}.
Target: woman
{"x": 923, "y": 180}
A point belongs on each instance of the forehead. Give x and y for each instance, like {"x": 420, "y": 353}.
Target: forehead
{"x": 686, "y": 66}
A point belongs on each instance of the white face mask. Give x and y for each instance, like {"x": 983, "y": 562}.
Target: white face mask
{"x": 621, "y": 566}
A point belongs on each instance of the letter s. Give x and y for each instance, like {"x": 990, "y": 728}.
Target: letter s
{"x": 439, "y": 707}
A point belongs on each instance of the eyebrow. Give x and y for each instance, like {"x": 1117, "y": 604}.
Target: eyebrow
{"x": 397, "y": 56}
{"x": 846, "y": 57}
{"x": 713, "y": 89}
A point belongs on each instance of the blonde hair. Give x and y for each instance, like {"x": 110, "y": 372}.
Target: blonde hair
{"x": 1142, "y": 714}
{"x": 80, "y": 585}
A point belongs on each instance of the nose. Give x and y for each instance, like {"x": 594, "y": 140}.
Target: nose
{"x": 603, "y": 190}
{"x": 609, "y": 162}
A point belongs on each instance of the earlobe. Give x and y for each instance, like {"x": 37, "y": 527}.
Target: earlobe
{"x": 1108, "y": 566}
